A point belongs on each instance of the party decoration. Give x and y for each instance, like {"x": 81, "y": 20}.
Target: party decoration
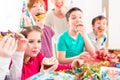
{"x": 26, "y": 18}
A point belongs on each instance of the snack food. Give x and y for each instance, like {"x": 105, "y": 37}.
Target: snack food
{"x": 48, "y": 62}
{"x": 8, "y": 33}
{"x": 100, "y": 29}
{"x": 40, "y": 16}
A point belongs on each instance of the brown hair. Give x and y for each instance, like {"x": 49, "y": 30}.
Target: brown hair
{"x": 26, "y": 30}
{"x": 99, "y": 17}
{"x": 72, "y": 10}
{"x": 31, "y": 2}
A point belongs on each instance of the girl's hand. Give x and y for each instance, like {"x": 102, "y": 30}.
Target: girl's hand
{"x": 22, "y": 42}
{"x": 77, "y": 63}
{"x": 8, "y": 46}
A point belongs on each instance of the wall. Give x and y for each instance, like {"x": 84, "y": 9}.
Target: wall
{"x": 114, "y": 24}
{"x": 10, "y": 12}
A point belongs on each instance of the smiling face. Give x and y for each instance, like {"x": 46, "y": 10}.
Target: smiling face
{"x": 75, "y": 19}
{"x": 34, "y": 44}
{"x": 99, "y": 25}
{"x": 58, "y": 4}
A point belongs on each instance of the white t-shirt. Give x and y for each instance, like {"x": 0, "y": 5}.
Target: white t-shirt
{"x": 59, "y": 25}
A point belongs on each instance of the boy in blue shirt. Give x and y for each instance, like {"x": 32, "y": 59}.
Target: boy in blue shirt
{"x": 71, "y": 43}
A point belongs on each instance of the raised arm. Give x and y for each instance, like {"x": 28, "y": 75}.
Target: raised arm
{"x": 8, "y": 46}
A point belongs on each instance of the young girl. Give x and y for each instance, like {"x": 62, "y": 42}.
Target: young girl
{"x": 37, "y": 7}
{"x": 32, "y": 58}
{"x": 71, "y": 43}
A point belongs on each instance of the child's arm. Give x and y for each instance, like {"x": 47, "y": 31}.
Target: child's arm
{"x": 16, "y": 66}
{"x": 7, "y": 49}
{"x": 4, "y": 67}
{"x": 63, "y": 60}
{"x": 75, "y": 63}
{"x": 88, "y": 45}
{"x": 17, "y": 59}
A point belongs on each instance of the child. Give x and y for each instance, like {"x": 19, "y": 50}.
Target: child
{"x": 56, "y": 17}
{"x": 32, "y": 58}
{"x": 98, "y": 36}
{"x": 71, "y": 43}
{"x": 37, "y": 7}
{"x": 8, "y": 47}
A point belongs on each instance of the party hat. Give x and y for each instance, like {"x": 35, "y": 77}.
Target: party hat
{"x": 26, "y": 18}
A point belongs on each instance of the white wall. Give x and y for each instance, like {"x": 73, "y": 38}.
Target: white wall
{"x": 114, "y": 24}
{"x": 10, "y": 12}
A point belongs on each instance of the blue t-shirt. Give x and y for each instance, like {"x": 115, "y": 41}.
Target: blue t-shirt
{"x": 71, "y": 46}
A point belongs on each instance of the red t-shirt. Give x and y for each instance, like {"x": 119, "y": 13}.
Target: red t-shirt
{"x": 33, "y": 67}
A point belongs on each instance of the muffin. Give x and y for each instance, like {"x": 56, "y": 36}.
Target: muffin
{"x": 48, "y": 62}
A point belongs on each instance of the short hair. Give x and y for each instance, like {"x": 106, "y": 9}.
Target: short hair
{"x": 31, "y": 2}
{"x": 100, "y": 17}
{"x": 26, "y": 30}
{"x": 70, "y": 11}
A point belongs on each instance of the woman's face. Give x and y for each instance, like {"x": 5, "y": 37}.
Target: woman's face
{"x": 58, "y": 3}
{"x": 37, "y": 8}
{"x": 34, "y": 44}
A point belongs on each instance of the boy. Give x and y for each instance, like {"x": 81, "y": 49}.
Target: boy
{"x": 98, "y": 36}
{"x": 71, "y": 43}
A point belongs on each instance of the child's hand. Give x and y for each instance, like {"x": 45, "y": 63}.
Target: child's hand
{"x": 52, "y": 68}
{"x": 81, "y": 29}
{"x": 84, "y": 55}
{"x": 8, "y": 46}
{"x": 77, "y": 63}
{"x": 22, "y": 43}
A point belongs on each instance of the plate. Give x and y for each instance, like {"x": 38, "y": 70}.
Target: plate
{"x": 52, "y": 76}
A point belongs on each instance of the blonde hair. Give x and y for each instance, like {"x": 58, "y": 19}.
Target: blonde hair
{"x": 30, "y": 3}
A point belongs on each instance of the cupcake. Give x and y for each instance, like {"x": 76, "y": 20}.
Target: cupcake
{"x": 48, "y": 62}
